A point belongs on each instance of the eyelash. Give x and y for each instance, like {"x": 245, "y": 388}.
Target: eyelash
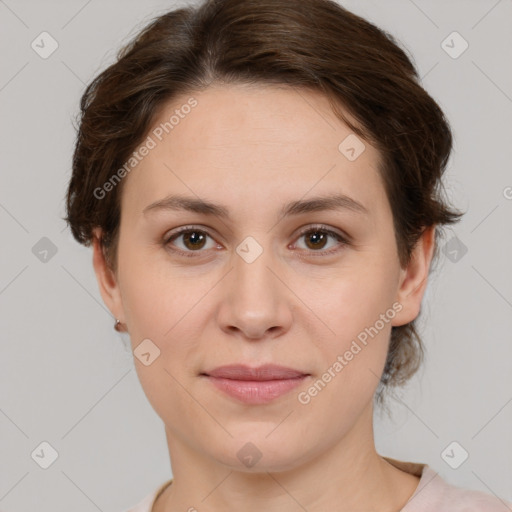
{"x": 310, "y": 229}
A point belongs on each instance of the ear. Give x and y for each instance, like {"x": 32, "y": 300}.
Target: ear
{"x": 107, "y": 280}
{"x": 414, "y": 278}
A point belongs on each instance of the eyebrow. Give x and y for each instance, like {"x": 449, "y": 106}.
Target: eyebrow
{"x": 315, "y": 204}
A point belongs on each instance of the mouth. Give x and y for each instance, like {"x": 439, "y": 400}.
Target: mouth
{"x": 258, "y": 385}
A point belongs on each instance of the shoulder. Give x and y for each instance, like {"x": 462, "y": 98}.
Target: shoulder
{"x": 434, "y": 494}
{"x": 146, "y": 505}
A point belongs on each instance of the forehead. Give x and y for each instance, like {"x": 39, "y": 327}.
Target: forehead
{"x": 243, "y": 142}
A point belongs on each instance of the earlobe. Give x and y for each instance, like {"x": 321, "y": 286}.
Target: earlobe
{"x": 414, "y": 278}
{"x": 107, "y": 281}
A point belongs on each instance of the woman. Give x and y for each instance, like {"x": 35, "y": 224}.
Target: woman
{"x": 260, "y": 184}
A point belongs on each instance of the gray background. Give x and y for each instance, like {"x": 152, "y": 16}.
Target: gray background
{"x": 65, "y": 375}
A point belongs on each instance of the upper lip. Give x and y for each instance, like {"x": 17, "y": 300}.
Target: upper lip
{"x": 264, "y": 372}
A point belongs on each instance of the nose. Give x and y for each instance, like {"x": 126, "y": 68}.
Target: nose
{"x": 255, "y": 301}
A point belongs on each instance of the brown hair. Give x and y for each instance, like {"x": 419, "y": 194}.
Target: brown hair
{"x": 314, "y": 44}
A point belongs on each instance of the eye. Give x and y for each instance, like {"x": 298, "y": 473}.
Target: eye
{"x": 193, "y": 240}
{"x": 316, "y": 239}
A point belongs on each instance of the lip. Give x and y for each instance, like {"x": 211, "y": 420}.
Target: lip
{"x": 257, "y": 385}
{"x": 264, "y": 372}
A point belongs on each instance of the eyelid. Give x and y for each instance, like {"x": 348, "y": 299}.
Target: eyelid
{"x": 190, "y": 227}
{"x": 323, "y": 227}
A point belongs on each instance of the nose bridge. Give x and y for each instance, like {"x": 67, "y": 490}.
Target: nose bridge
{"x": 256, "y": 300}
{"x": 252, "y": 276}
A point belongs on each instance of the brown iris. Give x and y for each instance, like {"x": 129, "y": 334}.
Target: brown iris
{"x": 196, "y": 239}
{"x": 317, "y": 236}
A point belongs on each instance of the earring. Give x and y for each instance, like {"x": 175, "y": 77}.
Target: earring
{"x": 117, "y": 326}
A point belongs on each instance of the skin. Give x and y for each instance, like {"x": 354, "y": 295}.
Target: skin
{"x": 253, "y": 149}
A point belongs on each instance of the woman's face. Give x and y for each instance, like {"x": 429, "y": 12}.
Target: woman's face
{"x": 253, "y": 286}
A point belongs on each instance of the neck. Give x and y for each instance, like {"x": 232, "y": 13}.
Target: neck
{"x": 345, "y": 477}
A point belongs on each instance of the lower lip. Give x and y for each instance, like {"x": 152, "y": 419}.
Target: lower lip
{"x": 256, "y": 392}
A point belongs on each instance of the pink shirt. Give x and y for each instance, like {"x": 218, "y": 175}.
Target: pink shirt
{"x": 433, "y": 494}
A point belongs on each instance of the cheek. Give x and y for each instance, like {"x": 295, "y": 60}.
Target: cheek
{"x": 167, "y": 306}
{"x": 355, "y": 298}
{"x": 162, "y": 319}
{"x": 358, "y": 310}
{"x": 152, "y": 298}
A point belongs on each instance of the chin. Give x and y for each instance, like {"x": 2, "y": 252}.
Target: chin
{"x": 258, "y": 452}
